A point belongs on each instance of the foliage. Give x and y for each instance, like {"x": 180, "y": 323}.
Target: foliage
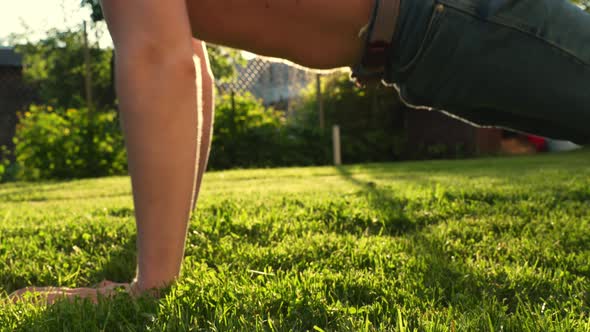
{"x": 67, "y": 144}
{"x": 4, "y": 163}
{"x": 8, "y": 168}
{"x": 224, "y": 61}
{"x": 55, "y": 65}
{"x": 370, "y": 119}
{"x": 248, "y": 135}
{"x": 71, "y": 143}
{"x": 478, "y": 245}
{"x": 94, "y": 5}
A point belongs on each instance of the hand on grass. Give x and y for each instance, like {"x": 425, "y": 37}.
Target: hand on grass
{"x": 49, "y": 295}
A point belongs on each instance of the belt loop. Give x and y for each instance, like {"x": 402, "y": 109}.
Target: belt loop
{"x": 378, "y": 36}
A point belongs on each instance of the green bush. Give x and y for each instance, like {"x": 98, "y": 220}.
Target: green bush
{"x": 249, "y": 135}
{"x": 7, "y": 168}
{"x": 370, "y": 119}
{"x": 64, "y": 144}
{"x": 55, "y": 66}
{"x": 3, "y": 163}
{"x": 304, "y": 146}
{"x": 71, "y": 143}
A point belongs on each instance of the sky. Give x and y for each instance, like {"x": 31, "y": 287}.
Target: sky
{"x": 35, "y": 17}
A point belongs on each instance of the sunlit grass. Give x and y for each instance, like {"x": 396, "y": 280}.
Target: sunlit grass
{"x": 476, "y": 245}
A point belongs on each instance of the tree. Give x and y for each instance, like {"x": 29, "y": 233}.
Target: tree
{"x": 96, "y": 14}
{"x": 55, "y": 65}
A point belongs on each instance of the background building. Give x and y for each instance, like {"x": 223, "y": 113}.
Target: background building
{"x": 14, "y": 95}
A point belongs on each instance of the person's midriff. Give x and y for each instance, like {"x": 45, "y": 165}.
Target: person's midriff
{"x": 314, "y": 33}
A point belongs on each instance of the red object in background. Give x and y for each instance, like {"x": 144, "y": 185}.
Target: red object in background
{"x": 539, "y": 142}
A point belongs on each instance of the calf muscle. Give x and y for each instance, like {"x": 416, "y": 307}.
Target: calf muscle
{"x": 156, "y": 84}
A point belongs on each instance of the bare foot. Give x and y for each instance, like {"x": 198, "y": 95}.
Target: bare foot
{"x": 49, "y": 295}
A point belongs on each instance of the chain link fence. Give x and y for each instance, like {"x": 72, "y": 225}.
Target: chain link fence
{"x": 277, "y": 84}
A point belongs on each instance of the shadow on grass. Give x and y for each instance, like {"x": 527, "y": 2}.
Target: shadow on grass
{"x": 394, "y": 220}
{"x": 471, "y": 286}
{"x": 457, "y": 281}
{"x": 120, "y": 265}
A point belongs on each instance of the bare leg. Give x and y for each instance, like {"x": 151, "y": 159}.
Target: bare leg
{"x": 208, "y": 111}
{"x": 156, "y": 84}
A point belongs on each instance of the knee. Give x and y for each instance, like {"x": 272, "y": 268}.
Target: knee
{"x": 148, "y": 60}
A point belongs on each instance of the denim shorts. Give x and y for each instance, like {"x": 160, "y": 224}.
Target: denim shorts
{"x": 518, "y": 64}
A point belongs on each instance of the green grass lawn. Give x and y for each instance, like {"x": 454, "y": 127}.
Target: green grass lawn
{"x": 476, "y": 245}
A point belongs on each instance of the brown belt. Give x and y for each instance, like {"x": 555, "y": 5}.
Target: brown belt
{"x": 378, "y": 35}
